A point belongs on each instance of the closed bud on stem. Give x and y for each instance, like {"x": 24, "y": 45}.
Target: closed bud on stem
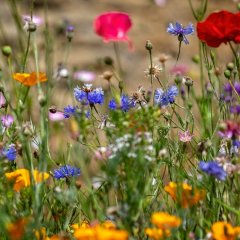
{"x": 188, "y": 81}
{"x": 196, "y": 59}
{"x": 108, "y": 61}
{"x": 230, "y": 66}
{"x": 120, "y": 85}
{"x": 32, "y": 27}
{"x": 227, "y": 74}
{"x": 148, "y": 45}
{"x": 178, "y": 79}
{"x": 42, "y": 99}
{"x": 6, "y": 51}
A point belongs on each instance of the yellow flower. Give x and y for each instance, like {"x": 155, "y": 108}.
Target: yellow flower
{"x": 41, "y": 234}
{"x": 21, "y": 178}
{"x": 105, "y": 231}
{"x": 16, "y": 230}
{"x": 224, "y": 231}
{"x": 184, "y": 194}
{"x": 157, "y": 233}
{"x": 165, "y": 221}
{"x": 30, "y": 79}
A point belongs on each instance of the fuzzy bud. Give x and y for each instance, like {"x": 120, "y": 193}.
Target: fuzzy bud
{"x": 188, "y": 81}
{"x": 6, "y": 51}
{"x": 178, "y": 79}
{"x": 148, "y": 45}
{"x": 227, "y": 74}
{"x": 108, "y": 61}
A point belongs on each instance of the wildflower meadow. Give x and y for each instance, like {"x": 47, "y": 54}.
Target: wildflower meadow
{"x": 85, "y": 156}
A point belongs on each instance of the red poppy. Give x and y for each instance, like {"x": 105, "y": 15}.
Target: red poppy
{"x": 219, "y": 27}
{"x": 113, "y": 26}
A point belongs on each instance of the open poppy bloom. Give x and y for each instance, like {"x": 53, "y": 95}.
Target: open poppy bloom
{"x": 30, "y": 79}
{"x": 113, "y": 26}
{"x": 219, "y": 27}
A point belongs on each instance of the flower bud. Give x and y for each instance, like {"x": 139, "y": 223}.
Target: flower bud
{"x": 42, "y": 99}
{"x": 148, "y": 45}
{"x": 230, "y": 66}
{"x": 32, "y": 27}
{"x": 188, "y": 81}
{"x": 227, "y": 74}
{"x": 238, "y": 6}
{"x": 107, "y": 75}
{"x": 196, "y": 59}
{"x": 6, "y": 50}
{"x": 70, "y": 32}
{"x": 178, "y": 79}
{"x": 108, "y": 61}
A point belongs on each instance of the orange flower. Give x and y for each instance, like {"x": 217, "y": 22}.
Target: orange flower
{"x": 164, "y": 220}
{"x": 30, "y": 79}
{"x": 16, "y": 230}
{"x": 21, "y": 178}
{"x": 224, "y": 231}
{"x": 157, "y": 233}
{"x": 184, "y": 194}
{"x": 106, "y": 231}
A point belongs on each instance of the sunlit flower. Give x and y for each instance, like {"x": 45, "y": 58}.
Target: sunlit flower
{"x": 185, "y": 136}
{"x": 214, "y": 169}
{"x": 180, "y": 31}
{"x": 157, "y": 233}
{"x": 16, "y": 229}
{"x": 30, "y": 79}
{"x": 21, "y": 178}
{"x": 7, "y": 120}
{"x": 84, "y": 76}
{"x": 184, "y": 194}
{"x": 224, "y": 231}
{"x": 66, "y": 171}
{"x": 165, "y": 221}
{"x": 113, "y": 26}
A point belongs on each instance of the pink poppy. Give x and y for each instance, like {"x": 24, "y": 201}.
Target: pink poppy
{"x": 113, "y": 26}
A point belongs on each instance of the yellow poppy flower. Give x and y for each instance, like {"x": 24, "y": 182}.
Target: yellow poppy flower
{"x": 30, "y": 79}
{"x": 184, "y": 194}
{"x": 165, "y": 221}
{"x": 21, "y": 178}
{"x": 225, "y": 231}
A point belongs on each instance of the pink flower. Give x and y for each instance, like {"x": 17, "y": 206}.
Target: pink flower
{"x": 7, "y": 120}
{"x": 56, "y": 116}
{"x": 84, "y": 76}
{"x": 37, "y": 20}
{"x": 113, "y": 26}
{"x": 180, "y": 69}
{"x": 102, "y": 153}
{"x": 160, "y": 3}
{"x": 185, "y": 136}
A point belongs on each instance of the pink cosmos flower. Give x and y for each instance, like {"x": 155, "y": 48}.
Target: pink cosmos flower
{"x": 113, "y": 26}
{"x": 56, "y": 116}
{"x": 7, "y": 120}
{"x": 84, "y": 76}
{"x": 185, "y": 136}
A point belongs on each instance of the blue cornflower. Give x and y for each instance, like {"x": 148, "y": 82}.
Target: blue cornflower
{"x": 10, "y": 153}
{"x": 87, "y": 95}
{"x": 112, "y": 104}
{"x": 125, "y": 103}
{"x": 213, "y": 168}
{"x": 69, "y": 111}
{"x": 66, "y": 171}
{"x": 164, "y": 98}
{"x": 180, "y": 31}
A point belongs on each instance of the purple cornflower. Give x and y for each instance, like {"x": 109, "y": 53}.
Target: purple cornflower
{"x": 7, "y": 120}
{"x": 112, "y": 104}
{"x": 214, "y": 169}
{"x": 87, "y": 95}
{"x": 66, "y": 171}
{"x": 180, "y": 31}
{"x": 162, "y": 98}
{"x": 125, "y": 103}
{"x": 69, "y": 111}
{"x": 10, "y": 152}
{"x": 235, "y": 109}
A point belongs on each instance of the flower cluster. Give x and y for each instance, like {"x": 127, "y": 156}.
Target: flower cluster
{"x": 164, "y": 98}
{"x": 9, "y": 152}
{"x": 66, "y": 171}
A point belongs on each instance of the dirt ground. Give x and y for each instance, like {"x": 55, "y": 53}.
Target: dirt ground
{"x": 149, "y": 23}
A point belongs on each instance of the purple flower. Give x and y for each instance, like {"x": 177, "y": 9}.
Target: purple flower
{"x": 69, "y": 111}
{"x": 7, "y": 120}
{"x": 235, "y": 109}
{"x": 66, "y": 171}
{"x": 214, "y": 169}
{"x": 87, "y": 95}
{"x": 162, "y": 98}
{"x": 35, "y": 19}
{"x": 10, "y": 152}
{"x": 56, "y": 116}
{"x": 185, "y": 136}
{"x": 125, "y": 103}
{"x": 180, "y": 31}
{"x": 112, "y": 104}
{"x": 230, "y": 129}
